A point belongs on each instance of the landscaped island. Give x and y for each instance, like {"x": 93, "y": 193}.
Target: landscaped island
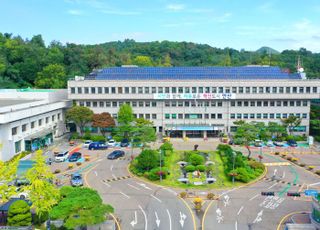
{"x": 196, "y": 168}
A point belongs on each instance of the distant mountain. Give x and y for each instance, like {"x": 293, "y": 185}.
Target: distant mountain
{"x": 268, "y": 50}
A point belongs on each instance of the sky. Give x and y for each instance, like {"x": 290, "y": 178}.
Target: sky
{"x": 239, "y": 24}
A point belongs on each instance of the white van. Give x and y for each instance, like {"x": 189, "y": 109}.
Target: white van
{"x": 61, "y": 157}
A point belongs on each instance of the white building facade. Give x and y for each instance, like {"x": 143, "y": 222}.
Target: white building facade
{"x": 30, "y": 119}
{"x": 198, "y": 101}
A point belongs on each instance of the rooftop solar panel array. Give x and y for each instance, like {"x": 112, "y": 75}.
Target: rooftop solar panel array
{"x": 190, "y": 73}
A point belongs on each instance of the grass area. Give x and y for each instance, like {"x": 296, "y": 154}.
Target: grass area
{"x": 175, "y": 173}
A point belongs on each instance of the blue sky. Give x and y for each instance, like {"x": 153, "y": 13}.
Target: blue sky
{"x": 248, "y": 24}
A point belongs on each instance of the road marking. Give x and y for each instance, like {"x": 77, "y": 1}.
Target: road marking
{"x": 314, "y": 184}
{"x": 170, "y": 190}
{"x": 99, "y": 160}
{"x": 135, "y": 221}
{"x": 282, "y": 163}
{"x": 236, "y": 225}
{"x": 240, "y": 210}
{"x": 183, "y": 217}
{"x": 105, "y": 183}
{"x": 145, "y": 218}
{"x": 157, "y": 219}
{"x": 114, "y": 176}
{"x": 258, "y": 218}
{"x": 132, "y": 186}
{"x": 275, "y": 171}
{"x": 273, "y": 185}
{"x": 125, "y": 195}
{"x": 169, "y": 219}
{"x": 144, "y": 186}
{"x": 96, "y": 173}
{"x": 283, "y": 174}
{"x": 252, "y": 198}
{"x": 156, "y": 198}
{"x": 111, "y": 167}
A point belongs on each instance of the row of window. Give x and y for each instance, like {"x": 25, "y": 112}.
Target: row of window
{"x": 193, "y": 116}
{"x": 268, "y": 103}
{"x": 25, "y": 127}
{"x": 148, "y": 90}
{"x": 266, "y": 115}
{"x": 103, "y": 104}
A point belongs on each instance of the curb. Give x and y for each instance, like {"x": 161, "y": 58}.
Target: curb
{"x": 286, "y": 216}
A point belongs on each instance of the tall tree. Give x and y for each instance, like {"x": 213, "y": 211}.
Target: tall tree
{"x": 42, "y": 192}
{"x": 276, "y": 130}
{"x": 103, "y": 121}
{"x": 19, "y": 214}
{"x": 52, "y": 76}
{"x": 143, "y": 132}
{"x": 80, "y": 115}
{"x": 291, "y": 123}
{"x": 8, "y": 171}
{"x": 80, "y": 207}
{"x": 142, "y": 61}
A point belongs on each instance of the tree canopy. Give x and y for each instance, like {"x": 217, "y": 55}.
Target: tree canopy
{"x": 103, "y": 121}
{"x": 19, "y": 214}
{"x": 8, "y": 172}
{"x": 80, "y": 116}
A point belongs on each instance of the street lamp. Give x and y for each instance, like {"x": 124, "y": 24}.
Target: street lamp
{"x": 160, "y": 166}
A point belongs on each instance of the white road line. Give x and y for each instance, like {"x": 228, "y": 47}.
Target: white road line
{"x": 145, "y": 218}
{"x": 99, "y": 160}
{"x": 106, "y": 184}
{"x": 254, "y": 197}
{"x": 169, "y": 219}
{"x": 132, "y": 186}
{"x": 156, "y": 198}
{"x": 283, "y": 174}
{"x": 273, "y": 185}
{"x": 114, "y": 176}
{"x": 226, "y": 192}
{"x": 96, "y": 173}
{"x": 125, "y": 195}
{"x": 170, "y": 190}
{"x": 240, "y": 210}
{"x": 236, "y": 225}
{"x": 111, "y": 167}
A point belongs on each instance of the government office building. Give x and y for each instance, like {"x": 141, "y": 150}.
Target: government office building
{"x": 198, "y": 101}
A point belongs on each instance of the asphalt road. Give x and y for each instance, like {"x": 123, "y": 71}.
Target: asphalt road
{"x": 246, "y": 208}
{"x": 138, "y": 205}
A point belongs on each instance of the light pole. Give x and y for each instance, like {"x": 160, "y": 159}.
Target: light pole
{"x": 160, "y": 166}
{"x": 233, "y": 173}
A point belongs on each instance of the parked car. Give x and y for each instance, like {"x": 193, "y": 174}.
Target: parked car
{"x": 116, "y": 154}
{"x": 75, "y": 157}
{"x": 124, "y": 143}
{"x": 76, "y": 180}
{"x": 270, "y": 144}
{"x": 97, "y": 145}
{"x": 86, "y": 144}
{"x": 278, "y": 143}
{"x": 111, "y": 143}
{"x": 62, "y": 156}
{"x": 231, "y": 142}
{"x": 258, "y": 143}
{"x": 292, "y": 143}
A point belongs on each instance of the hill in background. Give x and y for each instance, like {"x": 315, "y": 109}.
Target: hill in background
{"x": 267, "y": 50}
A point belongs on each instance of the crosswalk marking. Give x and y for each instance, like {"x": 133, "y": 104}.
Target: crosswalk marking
{"x": 277, "y": 164}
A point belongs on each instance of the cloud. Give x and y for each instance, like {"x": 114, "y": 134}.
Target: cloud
{"x": 75, "y": 12}
{"x": 175, "y": 7}
{"x": 131, "y": 35}
{"x": 118, "y": 12}
{"x": 266, "y": 7}
{"x": 223, "y": 18}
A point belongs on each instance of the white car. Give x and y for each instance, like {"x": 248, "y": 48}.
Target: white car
{"x": 61, "y": 157}
{"x": 86, "y": 144}
{"x": 270, "y": 144}
{"x": 112, "y": 143}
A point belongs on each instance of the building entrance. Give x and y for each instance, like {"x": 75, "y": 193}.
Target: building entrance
{"x": 194, "y": 134}
{"x": 213, "y": 133}
{"x": 174, "y": 134}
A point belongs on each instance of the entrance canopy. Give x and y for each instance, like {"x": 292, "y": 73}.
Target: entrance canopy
{"x": 191, "y": 127}
{"x": 39, "y": 134}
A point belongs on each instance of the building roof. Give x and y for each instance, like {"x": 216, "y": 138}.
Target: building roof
{"x": 191, "y": 73}
{"x": 10, "y": 102}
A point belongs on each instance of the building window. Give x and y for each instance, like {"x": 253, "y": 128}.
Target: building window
{"x": 246, "y": 103}
{"x": 154, "y": 90}
{"x": 126, "y": 90}
{"x": 167, "y": 116}
{"x": 268, "y": 90}
{"x": 140, "y": 115}
{"x": 120, "y": 90}
{"x": 259, "y": 103}
{"x": 213, "y": 104}
{"x": 291, "y": 103}
{"x": 133, "y": 90}
{"x": 14, "y": 131}
{"x": 115, "y": 116}
{"x": 207, "y": 90}
{"x": 220, "y": 89}
{"x": 180, "y": 116}
{"x": 301, "y": 89}
{"x": 285, "y": 103}
{"x": 284, "y": 115}
{"x": 186, "y": 103}
{"x": 219, "y": 115}
{"x": 240, "y": 89}
{"x": 265, "y": 116}
{"x": 81, "y": 103}
{"x": 180, "y": 103}
{"x": 140, "y": 90}
{"x": 252, "y": 103}
{"x": 114, "y": 104}
{"x": 278, "y": 115}
{"x": 187, "y": 89}
{"x": 232, "y": 116}
{"x": 247, "y": 89}
{"x": 154, "y": 116}
{"x": 233, "y": 103}
{"x": 314, "y": 89}
{"x": 94, "y": 104}
{"x": 93, "y": 90}
{"x": 154, "y": 104}
{"x": 167, "y": 104}
{"x": 79, "y": 90}
{"x": 288, "y": 90}
{"x": 278, "y": 103}
{"x": 134, "y": 104}
{"x": 258, "y": 115}
{"x": 304, "y": 115}
{"x": 53, "y": 117}
{"x": 265, "y": 103}
{"x": 308, "y": 90}
{"x": 305, "y": 103}
{"x": 213, "y": 116}
{"x": 17, "y": 146}
{"x": 39, "y": 122}
{"x": 113, "y": 90}
{"x": 200, "y": 89}
{"x": 239, "y": 116}
{"x": 294, "y": 89}
{"x": 298, "y": 103}
{"x": 146, "y": 90}
{"x": 32, "y": 125}
{"x": 173, "y": 104}
{"x": 298, "y": 115}
{"x": 148, "y": 116}
{"x": 252, "y": 115}
{"x": 73, "y": 90}
{"x": 234, "y": 89}
{"x": 194, "y": 89}
{"x": 24, "y": 127}
{"x": 281, "y": 89}
{"x": 106, "y": 90}
{"x": 100, "y": 90}
{"x": 173, "y": 90}
{"x": 214, "y": 89}
{"x": 101, "y": 104}
{"x": 220, "y": 104}
{"x": 272, "y": 103}
{"x": 88, "y": 103}
{"x": 160, "y": 90}
{"x": 245, "y": 116}
{"x": 271, "y": 115}
{"x": 254, "y": 89}
{"x": 239, "y": 103}
{"x": 180, "y": 89}
{"x": 274, "y": 89}
{"x": 260, "y": 89}
{"x": 148, "y": 104}
{"x": 174, "y": 116}
{"x": 86, "y": 90}
{"x": 141, "y": 103}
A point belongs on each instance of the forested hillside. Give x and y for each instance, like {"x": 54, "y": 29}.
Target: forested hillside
{"x": 30, "y": 63}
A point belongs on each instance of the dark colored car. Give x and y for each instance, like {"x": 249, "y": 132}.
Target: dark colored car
{"x": 74, "y": 157}
{"x": 116, "y": 154}
{"x": 124, "y": 143}
{"x": 97, "y": 145}
{"x": 292, "y": 143}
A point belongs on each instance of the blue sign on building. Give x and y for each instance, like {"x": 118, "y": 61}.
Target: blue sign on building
{"x": 310, "y": 192}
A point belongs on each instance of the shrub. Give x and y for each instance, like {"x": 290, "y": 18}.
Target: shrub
{"x": 74, "y": 136}
{"x": 276, "y": 153}
{"x": 78, "y": 163}
{"x": 201, "y": 168}
{"x": 311, "y": 167}
{"x": 256, "y": 165}
{"x": 317, "y": 172}
{"x": 289, "y": 158}
{"x": 317, "y": 138}
{"x": 57, "y": 171}
{"x": 224, "y": 148}
{"x": 243, "y": 175}
{"x": 70, "y": 166}
{"x": 147, "y": 160}
{"x": 283, "y": 154}
{"x": 87, "y": 135}
{"x": 155, "y": 173}
{"x": 211, "y": 196}
{"x": 19, "y": 214}
{"x": 166, "y": 147}
{"x": 190, "y": 168}
{"x": 183, "y": 195}
{"x": 87, "y": 158}
{"x": 196, "y": 159}
{"x": 302, "y": 164}
{"x": 98, "y": 138}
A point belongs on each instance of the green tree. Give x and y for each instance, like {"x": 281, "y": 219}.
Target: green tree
{"x": 291, "y": 123}
{"x": 19, "y": 214}
{"x": 42, "y": 192}
{"x": 167, "y": 61}
{"x": 52, "y": 76}
{"x": 80, "y": 115}
{"x": 142, "y": 61}
{"x": 276, "y": 129}
{"x": 167, "y": 147}
{"x": 248, "y": 132}
{"x": 80, "y": 207}
{"x": 8, "y": 171}
{"x": 147, "y": 160}
{"x": 125, "y": 120}
{"x": 143, "y": 132}
{"x": 103, "y": 121}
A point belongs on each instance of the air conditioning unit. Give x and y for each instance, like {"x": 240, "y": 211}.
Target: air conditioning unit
{"x": 79, "y": 78}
